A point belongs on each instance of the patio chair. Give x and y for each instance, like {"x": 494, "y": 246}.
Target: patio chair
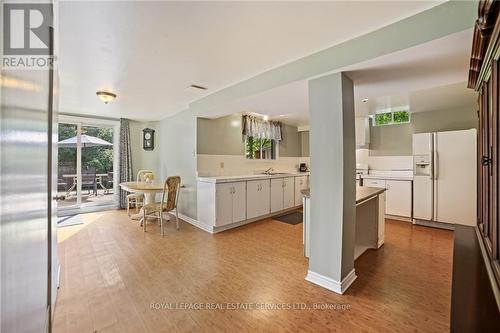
{"x": 62, "y": 185}
{"x": 169, "y": 200}
{"x": 109, "y": 182}
{"x": 89, "y": 180}
{"x": 137, "y": 199}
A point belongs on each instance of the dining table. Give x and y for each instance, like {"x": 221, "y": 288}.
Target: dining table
{"x": 148, "y": 189}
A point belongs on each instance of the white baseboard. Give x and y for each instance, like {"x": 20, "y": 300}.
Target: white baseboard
{"x": 398, "y": 218}
{"x": 216, "y": 229}
{"x": 331, "y": 284}
{"x": 196, "y": 223}
{"x": 380, "y": 243}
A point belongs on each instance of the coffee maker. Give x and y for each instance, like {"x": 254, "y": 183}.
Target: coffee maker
{"x": 303, "y": 167}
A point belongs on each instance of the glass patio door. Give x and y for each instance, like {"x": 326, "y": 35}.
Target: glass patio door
{"x": 87, "y": 159}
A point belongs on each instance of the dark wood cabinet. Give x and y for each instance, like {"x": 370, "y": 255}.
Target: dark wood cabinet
{"x": 484, "y": 76}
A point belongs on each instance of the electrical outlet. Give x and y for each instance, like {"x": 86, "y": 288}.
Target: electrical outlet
{"x": 222, "y": 165}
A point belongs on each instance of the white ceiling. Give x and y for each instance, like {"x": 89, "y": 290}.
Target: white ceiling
{"x": 149, "y": 52}
{"x": 426, "y": 77}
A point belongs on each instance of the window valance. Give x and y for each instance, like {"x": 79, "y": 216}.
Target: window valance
{"x": 259, "y": 128}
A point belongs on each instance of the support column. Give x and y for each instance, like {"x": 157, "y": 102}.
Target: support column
{"x": 333, "y": 186}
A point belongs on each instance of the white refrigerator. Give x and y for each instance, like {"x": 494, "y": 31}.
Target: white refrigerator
{"x": 444, "y": 181}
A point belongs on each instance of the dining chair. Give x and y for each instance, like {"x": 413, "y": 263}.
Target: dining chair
{"x": 137, "y": 199}
{"x": 169, "y": 200}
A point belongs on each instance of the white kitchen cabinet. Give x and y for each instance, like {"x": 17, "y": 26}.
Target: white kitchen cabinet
{"x": 276, "y": 195}
{"x": 288, "y": 192}
{"x": 239, "y": 201}
{"x": 282, "y": 193}
{"x": 258, "y": 198}
{"x": 362, "y": 131}
{"x": 230, "y": 199}
{"x": 224, "y": 204}
{"x": 398, "y": 198}
{"x": 301, "y": 183}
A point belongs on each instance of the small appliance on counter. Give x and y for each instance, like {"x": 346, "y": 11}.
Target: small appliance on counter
{"x": 303, "y": 167}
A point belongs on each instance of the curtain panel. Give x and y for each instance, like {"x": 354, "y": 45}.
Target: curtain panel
{"x": 259, "y": 128}
{"x": 125, "y": 159}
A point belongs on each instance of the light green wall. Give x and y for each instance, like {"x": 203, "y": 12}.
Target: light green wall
{"x": 222, "y": 136}
{"x": 290, "y": 145}
{"x": 144, "y": 159}
{"x": 396, "y": 140}
{"x": 178, "y": 156}
{"x": 304, "y": 143}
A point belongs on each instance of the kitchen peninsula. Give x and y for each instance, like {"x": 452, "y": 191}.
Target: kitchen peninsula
{"x": 226, "y": 202}
{"x": 370, "y": 215}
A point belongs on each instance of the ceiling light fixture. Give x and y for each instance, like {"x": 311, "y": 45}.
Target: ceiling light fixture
{"x": 365, "y": 100}
{"x": 106, "y": 96}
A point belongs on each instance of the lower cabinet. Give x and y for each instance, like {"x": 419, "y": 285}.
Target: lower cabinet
{"x": 230, "y": 201}
{"x": 301, "y": 183}
{"x": 224, "y": 203}
{"x": 288, "y": 192}
{"x": 282, "y": 193}
{"x": 398, "y": 196}
{"x": 258, "y": 198}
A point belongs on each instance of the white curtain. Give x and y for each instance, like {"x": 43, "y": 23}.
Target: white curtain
{"x": 259, "y": 128}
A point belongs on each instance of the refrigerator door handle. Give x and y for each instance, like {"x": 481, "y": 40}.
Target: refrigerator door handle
{"x": 436, "y": 165}
{"x": 435, "y": 175}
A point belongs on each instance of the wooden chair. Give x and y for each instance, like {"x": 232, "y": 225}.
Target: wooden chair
{"x": 137, "y": 199}
{"x": 169, "y": 200}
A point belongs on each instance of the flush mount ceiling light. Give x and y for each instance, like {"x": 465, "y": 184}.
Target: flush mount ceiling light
{"x": 365, "y": 100}
{"x": 106, "y": 96}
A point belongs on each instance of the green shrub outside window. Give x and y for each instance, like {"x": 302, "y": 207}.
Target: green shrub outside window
{"x": 260, "y": 149}
{"x": 391, "y": 118}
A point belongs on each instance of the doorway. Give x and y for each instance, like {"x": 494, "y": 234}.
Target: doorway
{"x": 87, "y": 160}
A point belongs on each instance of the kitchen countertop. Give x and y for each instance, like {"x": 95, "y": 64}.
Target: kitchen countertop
{"x": 362, "y": 192}
{"x": 228, "y": 179}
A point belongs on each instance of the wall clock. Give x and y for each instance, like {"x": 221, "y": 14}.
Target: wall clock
{"x": 148, "y": 139}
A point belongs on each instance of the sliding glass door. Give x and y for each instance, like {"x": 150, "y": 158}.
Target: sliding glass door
{"x": 87, "y": 160}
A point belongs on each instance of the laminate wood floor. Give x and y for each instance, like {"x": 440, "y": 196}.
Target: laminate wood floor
{"x": 115, "y": 278}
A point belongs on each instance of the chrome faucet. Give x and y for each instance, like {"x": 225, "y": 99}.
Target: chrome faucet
{"x": 268, "y": 171}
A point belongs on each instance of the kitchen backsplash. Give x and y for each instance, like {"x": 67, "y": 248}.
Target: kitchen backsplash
{"x": 384, "y": 162}
{"x": 233, "y": 165}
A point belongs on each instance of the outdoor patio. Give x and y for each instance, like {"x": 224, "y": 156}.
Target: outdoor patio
{"x": 103, "y": 197}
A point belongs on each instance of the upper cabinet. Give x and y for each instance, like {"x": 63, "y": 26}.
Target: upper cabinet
{"x": 362, "y": 128}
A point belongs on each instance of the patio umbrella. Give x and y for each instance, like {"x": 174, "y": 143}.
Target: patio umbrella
{"x": 87, "y": 141}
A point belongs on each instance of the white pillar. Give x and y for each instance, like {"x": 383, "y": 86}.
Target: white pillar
{"x": 333, "y": 186}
